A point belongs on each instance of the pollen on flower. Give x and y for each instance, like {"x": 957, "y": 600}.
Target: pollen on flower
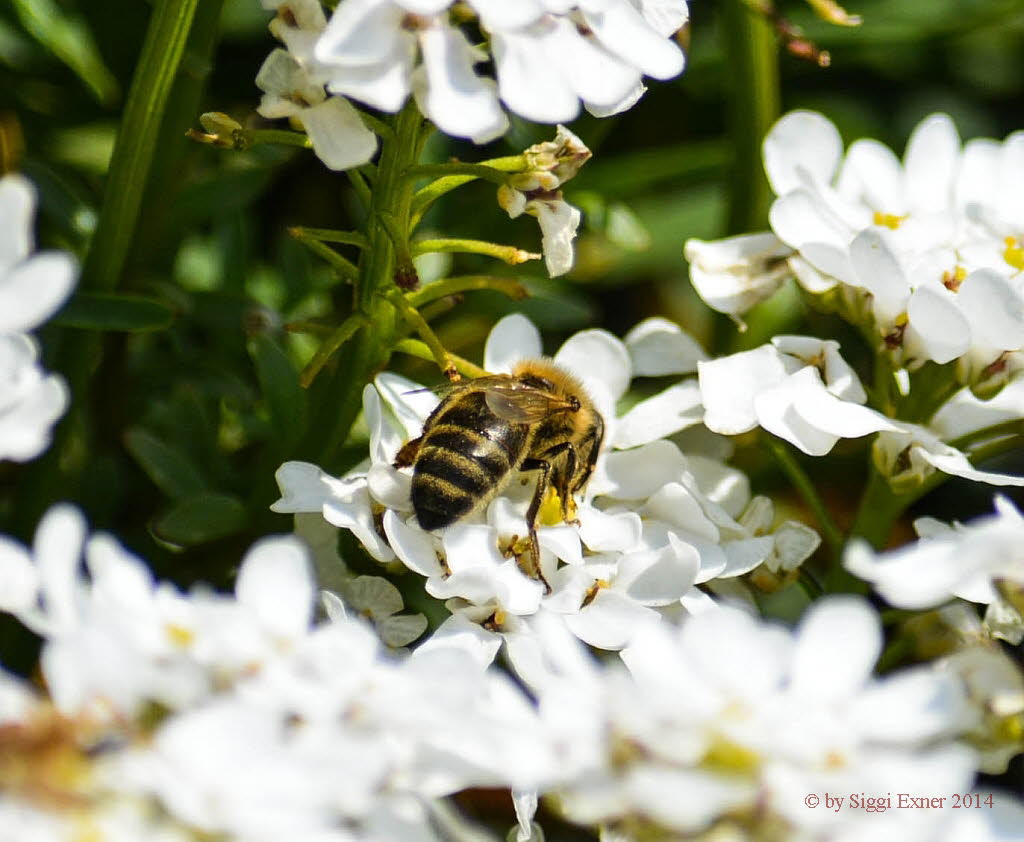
{"x": 951, "y": 279}
{"x": 834, "y": 760}
{"x": 1013, "y": 253}
{"x": 550, "y": 513}
{"x": 179, "y": 635}
{"x": 889, "y": 220}
{"x": 593, "y": 591}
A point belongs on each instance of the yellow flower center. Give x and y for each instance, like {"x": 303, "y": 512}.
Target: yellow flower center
{"x": 889, "y": 220}
{"x": 951, "y": 280}
{"x": 179, "y": 635}
{"x": 1013, "y": 253}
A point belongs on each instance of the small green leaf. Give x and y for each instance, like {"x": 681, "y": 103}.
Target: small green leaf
{"x": 99, "y": 311}
{"x": 68, "y": 37}
{"x": 279, "y": 382}
{"x": 201, "y": 518}
{"x": 169, "y": 468}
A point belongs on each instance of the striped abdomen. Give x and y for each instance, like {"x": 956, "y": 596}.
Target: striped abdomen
{"x": 465, "y": 457}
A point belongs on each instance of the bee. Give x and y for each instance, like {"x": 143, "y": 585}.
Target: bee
{"x": 484, "y": 431}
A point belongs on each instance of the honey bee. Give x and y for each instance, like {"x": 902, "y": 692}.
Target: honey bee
{"x": 484, "y": 431}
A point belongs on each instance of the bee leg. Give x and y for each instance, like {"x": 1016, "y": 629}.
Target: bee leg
{"x": 544, "y": 467}
{"x": 563, "y": 484}
{"x": 407, "y": 455}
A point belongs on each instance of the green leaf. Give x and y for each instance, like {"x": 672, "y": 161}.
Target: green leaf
{"x": 68, "y": 37}
{"x": 168, "y": 467}
{"x": 279, "y": 382}
{"x": 130, "y": 313}
{"x": 201, "y": 518}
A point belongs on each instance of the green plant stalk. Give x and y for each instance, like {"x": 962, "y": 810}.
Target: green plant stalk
{"x": 426, "y": 196}
{"x": 511, "y": 255}
{"x": 754, "y": 106}
{"x": 133, "y": 151}
{"x": 832, "y": 534}
{"x": 342, "y": 265}
{"x": 330, "y": 235}
{"x": 418, "y": 323}
{"x": 362, "y": 189}
{"x": 466, "y": 283}
{"x": 418, "y": 349}
{"x": 339, "y": 396}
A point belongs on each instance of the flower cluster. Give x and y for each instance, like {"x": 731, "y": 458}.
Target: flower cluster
{"x": 33, "y": 286}
{"x": 549, "y": 55}
{"x": 922, "y": 257}
{"x": 179, "y": 716}
{"x": 722, "y": 727}
{"x": 654, "y": 523}
{"x": 928, "y": 250}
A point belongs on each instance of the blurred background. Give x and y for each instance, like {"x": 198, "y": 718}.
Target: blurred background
{"x": 189, "y": 400}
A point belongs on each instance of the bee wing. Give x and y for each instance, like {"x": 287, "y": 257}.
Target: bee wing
{"x": 521, "y": 404}
{"x": 446, "y": 388}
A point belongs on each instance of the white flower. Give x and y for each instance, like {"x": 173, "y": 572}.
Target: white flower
{"x": 728, "y": 716}
{"x": 31, "y": 401}
{"x": 796, "y": 387}
{"x": 548, "y": 56}
{"x": 33, "y": 286}
{"x": 536, "y": 192}
{"x": 652, "y": 523}
{"x": 928, "y": 247}
{"x": 970, "y": 561}
{"x": 734, "y": 274}
{"x": 910, "y": 453}
{"x": 333, "y": 125}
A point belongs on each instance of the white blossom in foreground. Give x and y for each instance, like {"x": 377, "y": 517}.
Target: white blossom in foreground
{"x": 723, "y": 726}
{"x": 33, "y": 286}
{"x": 176, "y": 715}
{"x": 548, "y": 57}
{"x": 981, "y": 561}
{"x": 652, "y": 525}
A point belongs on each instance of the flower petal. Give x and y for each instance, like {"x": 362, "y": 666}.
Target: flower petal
{"x": 838, "y": 642}
{"x": 728, "y": 386}
{"x": 801, "y": 141}
{"x": 338, "y": 135}
{"x": 512, "y": 339}
{"x": 657, "y": 347}
{"x": 275, "y": 581}
{"x": 667, "y": 412}
{"x": 34, "y": 290}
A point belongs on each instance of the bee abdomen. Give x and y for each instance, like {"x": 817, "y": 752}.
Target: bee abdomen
{"x": 456, "y": 471}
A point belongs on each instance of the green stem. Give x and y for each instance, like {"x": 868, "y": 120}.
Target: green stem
{"x": 465, "y": 283}
{"x": 378, "y": 127}
{"x": 430, "y": 339}
{"x": 280, "y": 137}
{"x": 415, "y": 348}
{"x": 136, "y": 139}
{"x": 509, "y": 254}
{"x": 880, "y": 508}
{"x": 754, "y": 106}
{"x": 805, "y": 487}
{"x": 342, "y": 334}
{"x": 329, "y": 235}
{"x": 362, "y": 189}
{"x": 488, "y": 173}
{"x": 1013, "y": 427}
{"x": 339, "y": 398}
{"x": 342, "y": 265}
{"x": 426, "y": 196}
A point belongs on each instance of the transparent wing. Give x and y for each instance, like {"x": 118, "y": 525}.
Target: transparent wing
{"x": 521, "y": 404}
